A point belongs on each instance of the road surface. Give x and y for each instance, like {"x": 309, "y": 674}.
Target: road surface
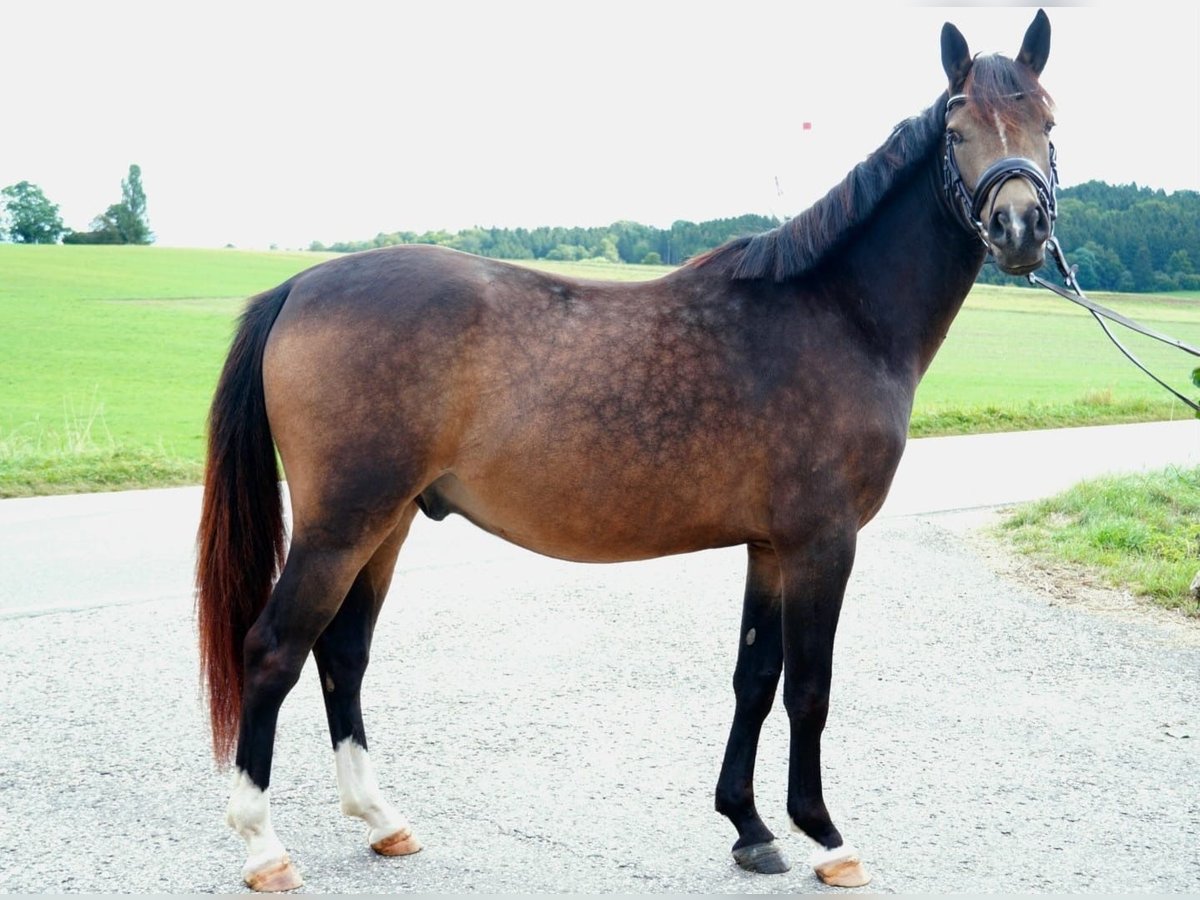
{"x": 557, "y": 727}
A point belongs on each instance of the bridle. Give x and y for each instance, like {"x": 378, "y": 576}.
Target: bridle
{"x": 968, "y": 209}
{"x": 968, "y": 205}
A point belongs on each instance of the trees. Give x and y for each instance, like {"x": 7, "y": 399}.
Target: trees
{"x": 1126, "y": 238}
{"x": 121, "y": 223}
{"x": 32, "y": 218}
{"x": 1122, "y": 237}
{"x": 135, "y": 226}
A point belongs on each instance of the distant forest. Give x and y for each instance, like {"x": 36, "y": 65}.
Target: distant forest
{"x": 1122, "y": 238}
{"x": 619, "y": 242}
{"x": 1127, "y": 238}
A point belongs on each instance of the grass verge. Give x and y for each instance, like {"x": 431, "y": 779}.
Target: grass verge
{"x": 1094, "y": 408}
{"x": 1139, "y": 532}
{"x": 92, "y": 471}
{"x": 80, "y": 456}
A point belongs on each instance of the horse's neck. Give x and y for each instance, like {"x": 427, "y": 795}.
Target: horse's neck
{"x": 914, "y": 265}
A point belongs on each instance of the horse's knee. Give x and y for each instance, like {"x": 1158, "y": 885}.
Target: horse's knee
{"x": 806, "y": 704}
{"x": 754, "y": 688}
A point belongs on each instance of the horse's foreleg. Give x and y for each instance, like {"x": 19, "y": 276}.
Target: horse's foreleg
{"x": 814, "y": 581}
{"x": 342, "y": 653}
{"x": 759, "y": 662}
{"x": 310, "y": 590}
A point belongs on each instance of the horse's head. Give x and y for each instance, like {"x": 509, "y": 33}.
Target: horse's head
{"x": 999, "y": 162}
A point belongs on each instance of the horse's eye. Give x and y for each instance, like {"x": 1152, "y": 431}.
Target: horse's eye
{"x": 1049, "y": 127}
{"x": 955, "y": 137}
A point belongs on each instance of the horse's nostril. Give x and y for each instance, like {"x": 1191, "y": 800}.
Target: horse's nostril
{"x": 998, "y": 227}
{"x": 1041, "y": 224}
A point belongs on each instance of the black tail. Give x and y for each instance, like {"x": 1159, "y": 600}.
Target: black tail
{"x": 241, "y": 540}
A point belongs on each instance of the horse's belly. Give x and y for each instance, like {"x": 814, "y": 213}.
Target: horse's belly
{"x": 582, "y": 527}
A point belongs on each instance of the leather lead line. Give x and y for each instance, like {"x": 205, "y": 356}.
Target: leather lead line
{"x": 1100, "y": 313}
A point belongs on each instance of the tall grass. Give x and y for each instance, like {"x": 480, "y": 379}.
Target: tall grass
{"x": 77, "y": 454}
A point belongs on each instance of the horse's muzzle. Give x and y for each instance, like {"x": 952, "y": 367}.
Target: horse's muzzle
{"x": 1017, "y": 237}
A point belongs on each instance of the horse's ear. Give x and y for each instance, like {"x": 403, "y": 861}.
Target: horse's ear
{"x": 1035, "y": 49}
{"x": 956, "y": 57}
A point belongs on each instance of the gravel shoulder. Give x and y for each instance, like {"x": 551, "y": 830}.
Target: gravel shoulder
{"x": 1061, "y": 584}
{"x": 552, "y": 727}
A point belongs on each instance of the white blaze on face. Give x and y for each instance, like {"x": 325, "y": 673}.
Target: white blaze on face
{"x": 249, "y": 814}
{"x": 1016, "y": 222}
{"x": 360, "y": 792}
{"x": 1002, "y": 133}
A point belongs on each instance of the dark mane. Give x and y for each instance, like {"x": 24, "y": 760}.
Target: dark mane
{"x": 797, "y": 245}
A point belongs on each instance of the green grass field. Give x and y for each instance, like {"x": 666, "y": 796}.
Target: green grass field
{"x": 109, "y": 356}
{"x": 1022, "y": 359}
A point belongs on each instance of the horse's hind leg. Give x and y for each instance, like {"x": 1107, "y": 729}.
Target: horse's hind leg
{"x": 342, "y": 652}
{"x": 309, "y": 592}
{"x": 759, "y": 663}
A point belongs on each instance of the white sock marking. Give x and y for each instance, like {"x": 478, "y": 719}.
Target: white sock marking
{"x": 822, "y": 857}
{"x": 360, "y": 792}
{"x": 249, "y": 814}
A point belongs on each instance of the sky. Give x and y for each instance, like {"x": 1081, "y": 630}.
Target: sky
{"x": 272, "y": 123}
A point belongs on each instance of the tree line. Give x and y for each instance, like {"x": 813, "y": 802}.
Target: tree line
{"x": 1127, "y": 238}
{"x": 1122, "y": 238}
{"x": 28, "y": 217}
{"x": 625, "y": 241}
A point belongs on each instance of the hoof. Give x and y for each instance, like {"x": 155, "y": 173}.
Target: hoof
{"x": 402, "y": 843}
{"x": 280, "y": 876}
{"x": 841, "y": 867}
{"x": 765, "y": 859}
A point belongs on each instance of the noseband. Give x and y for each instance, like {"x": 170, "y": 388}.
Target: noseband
{"x": 968, "y": 206}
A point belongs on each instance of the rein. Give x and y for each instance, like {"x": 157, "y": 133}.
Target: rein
{"x": 968, "y": 206}
{"x": 1100, "y": 313}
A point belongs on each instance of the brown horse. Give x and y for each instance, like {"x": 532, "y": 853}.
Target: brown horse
{"x": 759, "y": 395}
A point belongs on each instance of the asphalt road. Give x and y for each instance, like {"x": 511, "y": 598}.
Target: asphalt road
{"x": 557, "y": 727}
